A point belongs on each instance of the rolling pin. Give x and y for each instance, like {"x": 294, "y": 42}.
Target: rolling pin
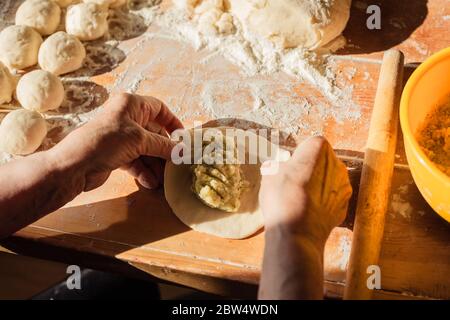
{"x": 376, "y": 178}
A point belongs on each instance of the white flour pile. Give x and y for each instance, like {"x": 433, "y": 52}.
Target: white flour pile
{"x": 253, "y": 56}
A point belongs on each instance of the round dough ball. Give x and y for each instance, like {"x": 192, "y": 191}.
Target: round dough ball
{"x": 65, "y": 3}
{"x": 86, "y": 21}
{"x": 22, "y": 132}
{"x": 7, "y": 84}
{"x": 42, "y": 15}
{"x": 61, "y": 53}
{"x": 19, "y": 47}
{"x": 194, "y": 213}
{"x": 294, "y": 23}
{"x": 40, "y": 90}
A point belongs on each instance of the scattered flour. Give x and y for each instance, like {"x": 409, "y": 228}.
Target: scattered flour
{"x": 4, "y": 9}
{"x": 398, "y": 23}
{"x": 399, "y": 205}
{"x": 366, "y": 76}
{"x": 345, "y": 246}
{"x": 337, "y": 253}
{"x": 350, "y": 73}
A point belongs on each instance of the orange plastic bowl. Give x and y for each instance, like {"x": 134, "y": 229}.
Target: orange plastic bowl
{"x": 428, "y": 86}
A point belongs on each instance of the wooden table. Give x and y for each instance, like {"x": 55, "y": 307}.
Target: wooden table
{"x": 124, "y": 228}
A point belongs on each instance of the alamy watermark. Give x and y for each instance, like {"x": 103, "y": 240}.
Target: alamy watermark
{"x": 374, "y": 280}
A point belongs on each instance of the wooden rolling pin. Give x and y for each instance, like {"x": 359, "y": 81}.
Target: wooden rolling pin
{"x": 376, "y": 178}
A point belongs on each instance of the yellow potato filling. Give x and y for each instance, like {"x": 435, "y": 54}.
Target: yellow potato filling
{"x": 218, "y": 181}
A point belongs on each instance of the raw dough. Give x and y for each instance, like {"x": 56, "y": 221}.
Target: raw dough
{"x": 42, "y": 15}
{"x": 40, "y": 90}
{"x": 19, "y": 47}
{"x": 86, "y": 21}
{"x": 217, "y": 182}
{"x": 65, "y": 3}
{"x": 61, "y": 53}
{"x": 22, "y": 132}
{"x": 7, "y": 84}
{"x": 291, "y": 23}
{"x": 192, "y": 212}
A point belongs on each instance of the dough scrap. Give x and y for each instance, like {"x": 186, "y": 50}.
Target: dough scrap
{"x": 42, "y": 15}
{"x": 19, "y": 47}
{"x": 61, "y": 53}
{"x": 40, "y": 90}
{"x": 7, "y": 84}
{"x": 65, "y": 3}
{"x": 87, "y": 21}
{"x": 192, "y": 212}
{"x": 22, "y": 132}
{"x": 294, "y": 23}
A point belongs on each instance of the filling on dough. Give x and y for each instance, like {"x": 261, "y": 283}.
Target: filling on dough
{"x": 218, "y": 181}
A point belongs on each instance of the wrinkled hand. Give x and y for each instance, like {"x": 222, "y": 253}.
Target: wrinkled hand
{"x": 310, "y": 193}
{"x": 131, "y": 132}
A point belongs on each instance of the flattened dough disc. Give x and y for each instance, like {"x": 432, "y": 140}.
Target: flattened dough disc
{"x": 192, "y": 212}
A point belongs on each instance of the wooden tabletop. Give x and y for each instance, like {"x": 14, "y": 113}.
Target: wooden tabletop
{"x": 125, "y": 228}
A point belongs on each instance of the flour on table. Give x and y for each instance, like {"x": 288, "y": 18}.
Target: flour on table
{"x": 253, "y": 55}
